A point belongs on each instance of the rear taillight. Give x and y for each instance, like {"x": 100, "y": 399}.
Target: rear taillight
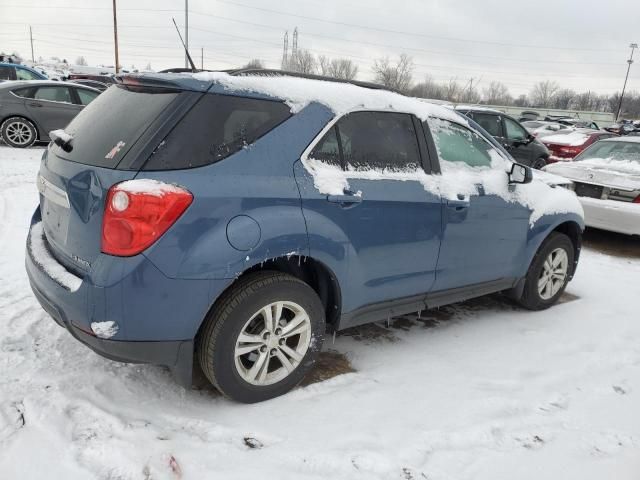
{"x": 138, "y": 212}
{"x": 636, "y": 200}
{"x": 569, "y": 151}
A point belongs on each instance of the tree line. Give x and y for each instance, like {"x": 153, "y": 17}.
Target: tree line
{"x": 398, "y": 74}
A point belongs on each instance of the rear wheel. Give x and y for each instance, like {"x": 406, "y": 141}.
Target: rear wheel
{"x": 18, "y": 132}
{"x": 549, "y": 273}
{"x": 262, "y": 337}
{"x": 539, "y": 163}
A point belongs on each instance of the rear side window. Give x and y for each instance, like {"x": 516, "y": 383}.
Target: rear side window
{"x": 53, "y": 94}
{"x": 106, "y": 128}
{"x": 24, "y": 92}
{"x": 7, "y": 73}
{"x": 380, "y": 140}
{"x": 491, "y": 123}
{"x": 216, "y": 127}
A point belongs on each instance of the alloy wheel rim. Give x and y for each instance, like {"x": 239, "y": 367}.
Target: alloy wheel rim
{"x": 19, "y": 133}
{"x": 272, "y": 343}
{"x": 554, "y": 274}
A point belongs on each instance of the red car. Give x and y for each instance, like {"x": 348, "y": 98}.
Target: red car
{"x": 566, "y": 144}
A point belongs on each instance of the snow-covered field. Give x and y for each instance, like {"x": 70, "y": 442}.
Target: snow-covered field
{"x": 480, "y": 390}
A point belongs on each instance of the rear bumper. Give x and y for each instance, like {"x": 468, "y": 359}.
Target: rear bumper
{"x": 615, "y": 216}
{"x": 177, "y": 355}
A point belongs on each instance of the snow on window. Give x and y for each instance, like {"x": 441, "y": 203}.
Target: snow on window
{"x": 41, "y": 256}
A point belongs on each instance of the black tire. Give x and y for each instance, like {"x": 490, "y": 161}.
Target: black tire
{"x": 539, "y": 164}
{"x": 531, "y": 297}
{"x": 217, "y": 339}
{"x": 10, "y": 129}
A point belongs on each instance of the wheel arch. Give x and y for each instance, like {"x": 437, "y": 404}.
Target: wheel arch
{"x": 308, "y": 269}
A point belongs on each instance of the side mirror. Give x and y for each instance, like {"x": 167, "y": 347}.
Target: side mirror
{"x": 520, "y": 174}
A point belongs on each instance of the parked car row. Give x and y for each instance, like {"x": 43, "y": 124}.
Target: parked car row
{"x": 606, "y": 178}
{"x": 32, "y": 109}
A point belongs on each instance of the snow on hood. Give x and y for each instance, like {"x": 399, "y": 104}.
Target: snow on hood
{"x": 338, "y": 97}
{"x": 571, "y": 139}
{"x": 621, "y": 174}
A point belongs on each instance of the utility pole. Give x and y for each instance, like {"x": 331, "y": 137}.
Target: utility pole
{"x": 285, "y": 52}
{"x": 201, "y": 58}
{"x": 633, "y": 46}
{"x": 31, "y": 38}
{"x": 186, "y": 32}
{"x": 115, "y": 34}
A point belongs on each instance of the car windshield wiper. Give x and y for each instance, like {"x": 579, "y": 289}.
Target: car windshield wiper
{"x": 62, "y": 139}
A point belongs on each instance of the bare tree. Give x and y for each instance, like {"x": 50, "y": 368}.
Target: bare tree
{"x": 148, "y": 67}
{"x": 469, "y": 94}
{"x": 397, "y": 76}
{"x": 522, "y": 101}
{"x": 254, "y": 63}
{"x": 543, "y": 92}
{"x": 428, "y": 88}
{"x": 303, "y": 62}
{"x": 452, "y": 90}
{"x": 338, "y": 67}
{"x": 81, "y": 61}
{"x": 563, "y": 98}
{"x": 497, "y": 93}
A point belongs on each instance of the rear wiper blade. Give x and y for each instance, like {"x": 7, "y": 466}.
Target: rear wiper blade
{"x": 62, "y": 139}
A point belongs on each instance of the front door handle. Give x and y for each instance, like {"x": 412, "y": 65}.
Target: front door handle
{"x": 35, "y": 104}
{"x": 347, "y": 200}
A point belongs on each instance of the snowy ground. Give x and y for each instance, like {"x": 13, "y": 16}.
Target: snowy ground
{"x": 480, "y": 390}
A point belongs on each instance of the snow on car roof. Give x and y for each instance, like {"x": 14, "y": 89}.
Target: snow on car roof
{"x": 338, "y": 97}
{"x": 477, "y": 108}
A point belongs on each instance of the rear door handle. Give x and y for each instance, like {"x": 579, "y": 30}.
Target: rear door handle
{"x": 461, "y": 203}
{"x": 348, "y": 200}
{"x": 34, "y": 104}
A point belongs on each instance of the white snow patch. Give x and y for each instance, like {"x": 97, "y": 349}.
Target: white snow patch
{"x": 40, "y": 254}
{"x": 338, "y": 97}
{"x": 61, "y": 134}
{"x": 612, "y": 165}
{"x": 104, "y": 329}
{"x": 541, "y": 196}
{"x": 149, "y": 187}
{"x": 572, "y": 139}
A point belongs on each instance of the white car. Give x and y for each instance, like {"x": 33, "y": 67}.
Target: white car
{"x": 606, "y": 178}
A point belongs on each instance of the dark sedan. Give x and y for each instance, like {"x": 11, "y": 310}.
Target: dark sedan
{"x": 30, "y": 110}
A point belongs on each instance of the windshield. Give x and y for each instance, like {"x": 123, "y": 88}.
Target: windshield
{"x": 616, "y": 151}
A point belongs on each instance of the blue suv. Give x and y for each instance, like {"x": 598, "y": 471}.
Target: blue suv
{"x": 235, "y": 220}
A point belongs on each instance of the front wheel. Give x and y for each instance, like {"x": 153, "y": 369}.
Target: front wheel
{"x": 262, "y": 337}
{"x": 549, "y": 273}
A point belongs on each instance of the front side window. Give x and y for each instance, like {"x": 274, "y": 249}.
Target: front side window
{"x": 53, "y": 94}
{"x": 380, "y": 140}
{"x": 456, "y": 143}
{"x": 328, "y": 150}
{"x": 86, "y": 96}
{"x": 491, "y": 123}
{"x": 23, "y": 74}
{"x": 514, "y": 131}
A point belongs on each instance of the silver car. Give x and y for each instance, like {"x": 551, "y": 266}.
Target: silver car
{"x": 29, "y": 110}
{"x": 606, "y": 178}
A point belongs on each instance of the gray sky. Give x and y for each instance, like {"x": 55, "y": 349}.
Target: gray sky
{"x": 580, "y": 44}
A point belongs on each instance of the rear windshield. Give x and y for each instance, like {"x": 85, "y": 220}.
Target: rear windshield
{"x": 215, "y": 128}
{"x": 629, "y": 151}
{"x": 107, "y": 128}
